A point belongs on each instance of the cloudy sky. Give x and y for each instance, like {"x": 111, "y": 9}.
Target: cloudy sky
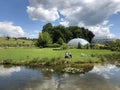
{"x": 26, "y": 17}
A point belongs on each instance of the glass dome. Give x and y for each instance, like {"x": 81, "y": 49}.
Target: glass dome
{"x": 76, "y": 41}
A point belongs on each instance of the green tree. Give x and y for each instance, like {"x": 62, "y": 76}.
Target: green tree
{"x": 8, "y": 37}
{"x": 67, "y": 33}
{"x": 60, "y": 41}
{"x": 44, "y": 39}
{"x": 47, "y": 28}
{"x": 57, "y": 34}
{"x": 114, "y": 45}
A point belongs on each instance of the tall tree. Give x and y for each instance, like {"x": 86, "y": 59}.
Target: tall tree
{"x": 44, "y": 39}
{"x": 67, "y": 33}
{"x": 47, "y": 28}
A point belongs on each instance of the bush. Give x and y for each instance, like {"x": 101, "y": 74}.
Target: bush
{"x": 44, "y": 39}
{"x": 60, "y": 41}
{"x": 55, "y": 45}
{"x": 98, "y": 46}
{"x": 7, "y": 37}
{"x": 64, "y": 46}
{"x": 114, "y": 45}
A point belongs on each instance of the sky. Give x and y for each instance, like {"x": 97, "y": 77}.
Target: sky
{"x": 25, "y": 18}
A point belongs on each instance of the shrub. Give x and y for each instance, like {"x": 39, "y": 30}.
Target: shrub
{"x": 114, "y": 45}
{"x": 60, "y": 41}
{"x": 64, "y": 46}
{"x": 55, "y": 45}
{"x": 44, "y": 39}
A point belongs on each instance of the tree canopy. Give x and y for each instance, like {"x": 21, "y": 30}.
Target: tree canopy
{"x": 67, "y": 33}
{"x": 44, "y": 40}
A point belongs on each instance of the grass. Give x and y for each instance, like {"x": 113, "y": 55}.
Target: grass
{"x": 23, "y": 56}
{"x": 14, "y": 42}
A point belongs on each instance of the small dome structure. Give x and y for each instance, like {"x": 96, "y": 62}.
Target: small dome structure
{"x": 76, "y": 41}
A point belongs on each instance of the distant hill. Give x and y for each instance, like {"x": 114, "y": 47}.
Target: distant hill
{"x": 16, "y": 42}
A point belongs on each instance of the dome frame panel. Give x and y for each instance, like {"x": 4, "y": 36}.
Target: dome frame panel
{"x": 76, "y": 41}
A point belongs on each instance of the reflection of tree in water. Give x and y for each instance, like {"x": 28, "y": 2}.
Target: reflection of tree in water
{"x": 47, "y": 79}
{"x": 117, "y": 63}
{"x": 87, "y": 68}
{"x": 62, "y": 79}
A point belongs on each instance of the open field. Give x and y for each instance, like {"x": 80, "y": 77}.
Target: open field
{"x": 15, "y": 42}
{"x": 23, "y": 56}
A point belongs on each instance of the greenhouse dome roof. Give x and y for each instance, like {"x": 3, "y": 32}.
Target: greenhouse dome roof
{"x": 76, "y": 41}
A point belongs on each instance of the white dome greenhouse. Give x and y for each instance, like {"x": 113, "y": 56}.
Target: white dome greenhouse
{"x": 76, "y": 41}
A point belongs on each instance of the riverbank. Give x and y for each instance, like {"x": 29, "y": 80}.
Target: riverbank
{"x": 50, "y": 56}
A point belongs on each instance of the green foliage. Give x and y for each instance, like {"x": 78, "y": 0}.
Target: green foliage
{"x": 47, "y": 28}
{"x": 15, "y": 42}
{"x": 67, "y": 33}
{"x": 55, "y": 45}
{"x": 111, "y": 57}
{"x": 64, "y": 46}
{"x": 7, "y": 37}
{"x": 44, "y": 39}
{"x": 114, "y": 45}
{"x": 98, "y": 46}
{"x": 60, "y": 41}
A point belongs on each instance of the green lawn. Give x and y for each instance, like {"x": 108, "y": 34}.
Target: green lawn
{"x": 25, "y": 55}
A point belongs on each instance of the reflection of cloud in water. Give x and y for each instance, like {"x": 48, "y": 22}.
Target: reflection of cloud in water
{"x": 55, "y": 83}
{"x": 106, "y": 71}
{"x": 32, "y": 79}
{"x": 117, "y": 88}
{"x": 8, "y": 71}
{"x": 73, "y": 82}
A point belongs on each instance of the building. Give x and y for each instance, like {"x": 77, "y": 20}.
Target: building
{"x": 77, "y": 41}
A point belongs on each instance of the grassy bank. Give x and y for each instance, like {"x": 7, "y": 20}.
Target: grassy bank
{"x": 49, "y": 56}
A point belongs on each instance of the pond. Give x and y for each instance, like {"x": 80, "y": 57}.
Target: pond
{"x": 100, "y": 77}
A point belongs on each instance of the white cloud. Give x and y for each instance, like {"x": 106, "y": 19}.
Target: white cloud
{"x": 8, "y": 71}
{"x": 8, "y": 29}
{"x": 105, "y": 22}
{"x": 89, "y": 13}
{"x": 105, "y": 71}
{"x": 88, "y": 1}
{"x": 64, "y": 23}
{"x": 100, "y": 31}
{"x": 39, "y": 13}
{"x": 33, "y": 34}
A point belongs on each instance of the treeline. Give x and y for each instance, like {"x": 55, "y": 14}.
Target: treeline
{"x": 114, "y": 45}
{"x": 60, "y": 32}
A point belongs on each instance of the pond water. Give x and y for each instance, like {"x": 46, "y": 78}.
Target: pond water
{"x": 100, "y": 77}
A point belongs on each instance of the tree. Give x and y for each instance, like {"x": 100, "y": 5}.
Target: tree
{"x": 60, "y": 41}
{"x": 67, "y": 33}
{"x": 44, "y": 39}
{"x": 47, "y": 28}
{"x": 8, "y": 37}
{"x": 114, "y": 45}
{"x": 57, "y": 34}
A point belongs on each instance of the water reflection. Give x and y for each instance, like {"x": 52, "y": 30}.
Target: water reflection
{"x": 101, "y": 77}
{"x": 106, "y": 71}
{"x": 8, "y": 71}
